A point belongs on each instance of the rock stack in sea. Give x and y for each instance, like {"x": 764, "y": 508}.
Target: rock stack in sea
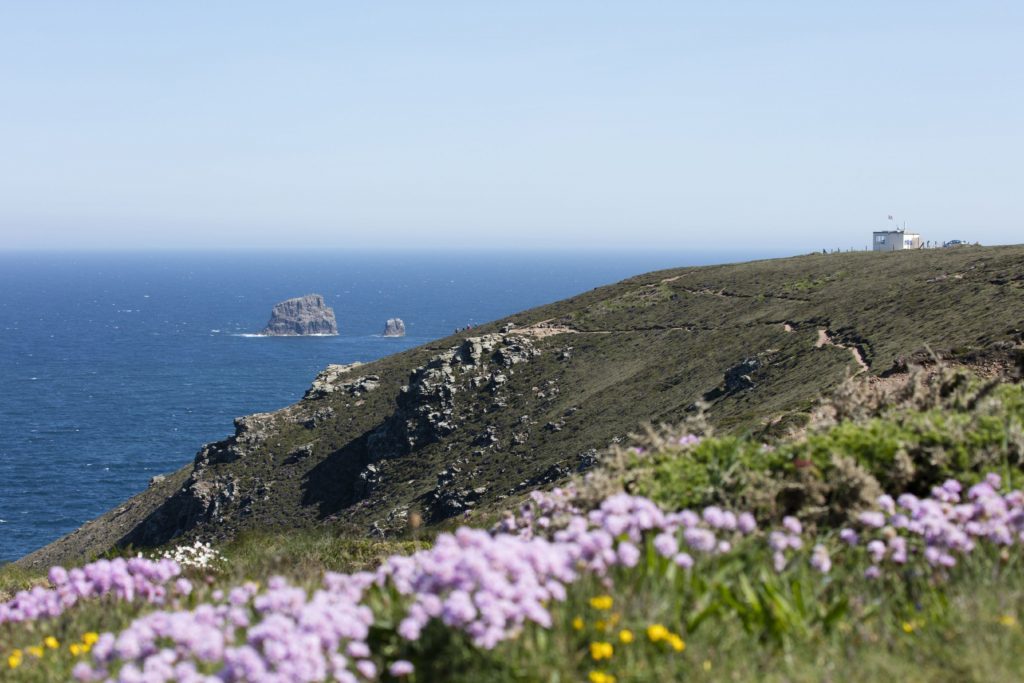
{"x": 304, "y": 315}
{"x": 394, "y": 328}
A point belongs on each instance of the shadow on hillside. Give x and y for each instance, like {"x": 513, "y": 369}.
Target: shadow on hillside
{"x": 175, "y": 516}
{"x": 335, "y": 483}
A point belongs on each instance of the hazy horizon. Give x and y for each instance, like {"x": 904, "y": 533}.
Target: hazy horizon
{"x": 789, "y": 128}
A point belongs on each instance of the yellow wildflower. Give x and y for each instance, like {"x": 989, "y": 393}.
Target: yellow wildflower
{"x": 600, "y": 677}
{"x": 601, "y": 651}
{"x": 657, "y": 632}
{"x": 602, "y": 602}
{"x": 14, "y": 660}
{"x": 76, "y": 649}
{"x": 676, "y": 642}
{"x": 908, "y": 627}
{"x": 577, "y": 623}
{"x": 1008, "y": 620}
{"x": 707, "y": 665}
{"x": 51, "y": 642}
{"x": 600, "y": 624}
{"x": 90, "y": 638}
{"x": 625, "y": 636}
{"x": 35, "y": 651}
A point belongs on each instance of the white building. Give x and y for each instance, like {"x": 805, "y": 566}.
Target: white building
{"x": 895, "y": 240}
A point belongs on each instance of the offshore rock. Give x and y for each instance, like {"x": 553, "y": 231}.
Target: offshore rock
{"x": 304, "y": 315}
{"x": 394, "y": 327}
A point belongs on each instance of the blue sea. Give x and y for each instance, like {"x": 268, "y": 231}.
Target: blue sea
{"x": 115, "y": 367}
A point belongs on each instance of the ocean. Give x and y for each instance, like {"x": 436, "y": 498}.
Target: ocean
{"x": 115, "y": 367}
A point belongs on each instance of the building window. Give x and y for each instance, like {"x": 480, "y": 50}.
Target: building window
{"x": 880, "y": 239}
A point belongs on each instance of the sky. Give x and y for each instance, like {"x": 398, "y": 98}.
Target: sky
{"x": 551, "y": 124}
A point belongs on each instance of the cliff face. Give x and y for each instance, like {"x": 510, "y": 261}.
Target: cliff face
{"x": 304, "y": 315}
{"x": 468, "y": 423}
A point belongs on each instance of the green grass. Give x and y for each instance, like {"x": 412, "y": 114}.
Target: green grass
{"x": 14, "y": 578}
{"x": 304, "y": 555}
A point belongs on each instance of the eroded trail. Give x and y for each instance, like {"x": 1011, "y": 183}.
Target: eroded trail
{"x": 544, "y": 328}
{"x": 825, "y": 339}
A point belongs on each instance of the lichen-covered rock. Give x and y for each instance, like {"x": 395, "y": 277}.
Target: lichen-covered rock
{"x": 304, "y": 315}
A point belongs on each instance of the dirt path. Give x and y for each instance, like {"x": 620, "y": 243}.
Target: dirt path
{"x": 545, "y": 328}
{"x": 540, "y": 330}
{"x": 825, "y": 339}
{"x": 549, "y": 328}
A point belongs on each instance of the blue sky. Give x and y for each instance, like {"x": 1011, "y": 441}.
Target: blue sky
{"x": 705, "y": 125}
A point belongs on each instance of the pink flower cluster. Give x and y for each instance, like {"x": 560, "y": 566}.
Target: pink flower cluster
{"x": 490, "y": 585}
{"x": 541, "y": 512}
{"x": 941, "y": 527}
{"x": 281, "y": 635}
{"x": 485, "y": 585}
{"x": 128, "y": 580}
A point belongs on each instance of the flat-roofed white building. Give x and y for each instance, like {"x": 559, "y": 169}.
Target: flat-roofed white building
{"x": 895, "y": 240}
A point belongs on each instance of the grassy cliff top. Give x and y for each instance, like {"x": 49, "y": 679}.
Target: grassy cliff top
{"x": 463, "y": 425}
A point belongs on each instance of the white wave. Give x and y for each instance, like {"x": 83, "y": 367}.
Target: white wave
{"x": 286, "y": 336}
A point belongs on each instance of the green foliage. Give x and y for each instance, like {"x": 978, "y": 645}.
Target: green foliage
{"x": 14, "y": 578}
{"x": 717, "y": 470}
{"x": 303, "y": 555}
{"x": 837, "y": 468}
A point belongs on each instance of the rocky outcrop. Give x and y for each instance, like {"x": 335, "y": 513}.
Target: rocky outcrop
{"x": 210, "y": 493}
{"x": 304, "y": 315}
{"x": 394, "y": 327}
{"x": 425, "y": 411}
{"x": 740, "y": 377}
{"x": 335, "y": 378}
{"x": 426, "y": 407}
{"x": 448, "y": 503}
